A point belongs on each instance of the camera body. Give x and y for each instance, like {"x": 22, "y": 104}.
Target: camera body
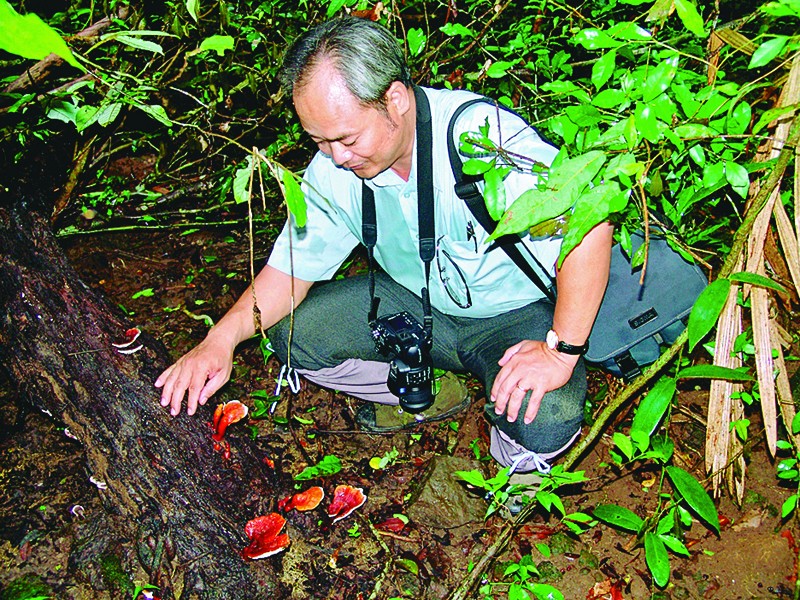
{"x": 401, "y": 337}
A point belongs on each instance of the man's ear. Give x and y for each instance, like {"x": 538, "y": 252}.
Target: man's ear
{"x": 398, "y": 96}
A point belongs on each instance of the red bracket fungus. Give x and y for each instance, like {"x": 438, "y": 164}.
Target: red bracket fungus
{"x": 346, "y": 499}
{"x": 227, "y": 414}
{"x": 303, "y": 501}
{"x": 263, "y": 533}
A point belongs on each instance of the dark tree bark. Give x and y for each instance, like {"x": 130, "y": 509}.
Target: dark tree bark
{"x": 180, "y": 499}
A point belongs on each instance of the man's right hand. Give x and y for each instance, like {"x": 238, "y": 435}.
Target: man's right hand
{"x": 200, "y": 372}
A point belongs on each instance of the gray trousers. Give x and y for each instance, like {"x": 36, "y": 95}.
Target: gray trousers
{"x": 332, "y": 346}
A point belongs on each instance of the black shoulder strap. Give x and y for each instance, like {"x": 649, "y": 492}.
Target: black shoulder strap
{"x": 467, "y": 190}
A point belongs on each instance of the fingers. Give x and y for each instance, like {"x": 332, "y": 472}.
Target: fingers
{"x": 197, "y": 376}
{"x": 508, "y": 354}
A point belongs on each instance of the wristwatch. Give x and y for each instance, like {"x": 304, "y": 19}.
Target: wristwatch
{"x": 554, "y": 343}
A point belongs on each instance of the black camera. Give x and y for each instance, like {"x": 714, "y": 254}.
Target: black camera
{"x": 411, "y": 368}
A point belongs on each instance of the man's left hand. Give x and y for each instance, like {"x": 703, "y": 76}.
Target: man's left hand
{"x": 529, "y": 365}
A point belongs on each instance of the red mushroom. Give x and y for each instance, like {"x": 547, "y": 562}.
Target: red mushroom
{"x": 131, "y": 335}
{"x": 303, "y": 501}
{"x": 263, "y": 535}
{"x": 225, "y": 415}
{"x": 346, "y": 499}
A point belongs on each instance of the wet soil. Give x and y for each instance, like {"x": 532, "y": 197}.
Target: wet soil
{"x": 174, "y": 285}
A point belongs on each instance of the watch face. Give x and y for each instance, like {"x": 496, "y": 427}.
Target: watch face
{"x": 551, "y": 340}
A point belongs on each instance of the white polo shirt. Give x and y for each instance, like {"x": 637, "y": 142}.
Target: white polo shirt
{"x": 333, "y": 195}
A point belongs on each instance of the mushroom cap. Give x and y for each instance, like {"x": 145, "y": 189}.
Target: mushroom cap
{"x": 303, "y": 501}
{"x": 346, "y": 499}
{"x": 263, "y": 533}
{"x": 227, "y": 414}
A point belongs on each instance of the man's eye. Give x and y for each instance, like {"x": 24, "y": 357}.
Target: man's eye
{"x": 348, "y": 144}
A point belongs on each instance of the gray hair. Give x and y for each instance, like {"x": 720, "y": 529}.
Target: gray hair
{"x": 364, "y": 53}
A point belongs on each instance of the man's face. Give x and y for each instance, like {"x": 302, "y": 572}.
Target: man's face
{"x": 362, "y": 139}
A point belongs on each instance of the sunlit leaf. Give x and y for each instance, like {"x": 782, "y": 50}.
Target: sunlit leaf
{"x": 655, "y": 554}
{"x": 241, "y": 181}
{"x": 603, "y": 69}
{"x": 767, "y": 51}
{"x": 691, "y": 19}
{"x": 652, "y": 408}
{"x": 594, "y": 39}
{"x": 30, "y": 37}
{"x": 477, "y": 166}
{"x": 498, "y": 69}
{"x": 756, "y": 279}
{"x": 738, "y": 177}
{"x": 714, "y": 372}
{"x": 157, "y": 112}
{"x": 618, "y": 516}
{"x": 295, "y": 199}
{"x": 564, "y": 185}
{"x": 788, "y": 506}
{"x": 139, "y": 43}
{"x": 191, "y": 8}
{"x": 494, "y": 192}
{"x": 695, "y": 496}
{"x": 674, "y": 544}
{"x": 659, "y": 79}
{"x": 218, "y": 43}
{"x": 706, "y": 310}
{"x": 416, "y": 41}
{"x": 592, "y": 207}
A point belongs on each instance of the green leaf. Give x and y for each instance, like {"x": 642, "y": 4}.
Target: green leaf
{"x": 695, "y": 496}
{"x": 603, "y": 69}
{"x": 714, "y": 372}
{"x": 796, "y": 424}
{"x": 498, "y": 69}
{"x": 739, "y": 119}
{"x": 659, "y": 79}
{"x": 756, "y": 279}
{"x": 30, "y": 37}
{"x": 655, "y": 554}
{"x": 334, "y": 7}
{"x": 329, "y": 465}
{"x": 157, "y": 112}
{"x": 456, "y": 30}
{"x": 295, "y": 199}
{"x": 565, "y": 184}
{"x": 623, "y": 442}
{"x": 241, "y": 181}
{"x": 594, "y": 39}
{"x": 592, "y": 207}
{"x": 494, "y": 191}
{"x": 738, "y": 177}
{"x": 674, "y": 544}
{"x": 655, "y": 404}
{"x": 767, "y": 51}
{"x": 706, "y": 310}
{"x": 63, "y": 111}
{"x": 191, "y": 7}
{"x": 218, "y": 43}
{"x": 477, "y": 166}
{"x": 687, "y": 12}
{"x": 542, "y": 591}
{"x": 789, "y": 505}
{"x": 472, "y": 477}
{"x": 416, "y": 41}
{"x": 139, "y": 43}
{"x": 618, "y": 516}
{"x": 770, "y": 115}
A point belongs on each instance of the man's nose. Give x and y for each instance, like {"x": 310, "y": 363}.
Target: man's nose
{"x": 340, "y": 153}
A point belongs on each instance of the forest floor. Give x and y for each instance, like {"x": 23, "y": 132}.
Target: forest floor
{"x": 166, "y": 282}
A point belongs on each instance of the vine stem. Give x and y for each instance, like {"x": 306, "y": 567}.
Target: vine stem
{"x": 473, "y": 579}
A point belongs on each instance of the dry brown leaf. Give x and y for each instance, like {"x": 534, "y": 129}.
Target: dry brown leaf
{"x": 788, "y": 237}
{"x": 719, "y": 401}
{"x": 785, "y": 400}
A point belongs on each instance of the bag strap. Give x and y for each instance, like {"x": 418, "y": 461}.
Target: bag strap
{"x": 466, "y": 188}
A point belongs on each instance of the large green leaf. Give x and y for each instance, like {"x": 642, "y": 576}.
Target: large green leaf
{"x": 706, "y": 310}
{"x": 603, "y": 69}
{"x": 592, "y": 207}
{"x": 659, "y": 79}
{"x": 767, "y": 51}
{"x": 494, "y": 191}
{"x": 756, "y": 279}
{"x": 691, "y": 19}
{"x": 30, "y": 37}
{"x": 713, "y": 372}
{"x": 564, "y": 185}
{"x": 295, "y": 199}
{"x": 655, "y": 404}
{"x": 655, "y": 554}
{"x": 695, "y": 496}
{"x": 619, "y": 516}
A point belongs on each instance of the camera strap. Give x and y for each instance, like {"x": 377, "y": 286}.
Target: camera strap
{"x": 427, "y": 245}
